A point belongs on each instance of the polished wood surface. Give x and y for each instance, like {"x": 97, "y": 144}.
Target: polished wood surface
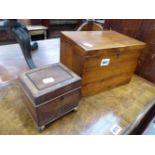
{"x": 12, "y": 62}
{"x": 96, "y": 115}
{"x": 100, "y": 40}
{"x": 48, "y": 82}
{"x": 84, "y": 51}
{"x": 53, "y": 109}
{"x": 144, "y": 30}
{"x": 144, "y": 123}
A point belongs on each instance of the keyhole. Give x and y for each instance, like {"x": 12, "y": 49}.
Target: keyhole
{"x": 117, "y": 54}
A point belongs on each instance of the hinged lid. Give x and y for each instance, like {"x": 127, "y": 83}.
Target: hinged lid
{"x": 100, "y": 40}
{"x": 45, "y": 83}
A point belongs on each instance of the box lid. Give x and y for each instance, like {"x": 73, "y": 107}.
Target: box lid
{"x": 98, "y": 40}
{"x": 46, "y": 83}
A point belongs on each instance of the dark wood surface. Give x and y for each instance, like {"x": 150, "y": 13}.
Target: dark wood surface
{"x": 130, "y": 27}
{"x": 146, "y": 67}
{"x": 144, "y": 123}
{"x": 84, "y": 60}
{"x": 144, "y": 30}
{"x": 150, "y": 129}
{"x": 36, "y": 82}
{"x": 49, "y": 111}
{"x": 96, "y": 115}
{"x": 50, "y": 100}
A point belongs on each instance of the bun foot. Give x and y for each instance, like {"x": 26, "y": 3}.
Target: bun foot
{"x": 76, "y": 108}
{"x": 41, "y": 128}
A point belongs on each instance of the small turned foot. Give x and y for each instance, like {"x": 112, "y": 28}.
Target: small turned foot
{"x": 76, "y": 108}
{"x": 41, "y": 128}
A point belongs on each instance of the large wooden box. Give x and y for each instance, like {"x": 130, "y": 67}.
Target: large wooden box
{"x": 104, "y": 59}
{"x": 51, "y": 91}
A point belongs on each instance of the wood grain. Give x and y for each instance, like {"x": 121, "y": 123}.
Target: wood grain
{"x": 122, "y": 51}
{"x": 96, "y": 114}
{"x": 100, "y": 40}
{"x": 144, "y": 30}
{"x": 49, "y": 101}
{"x": 12, "y": 62}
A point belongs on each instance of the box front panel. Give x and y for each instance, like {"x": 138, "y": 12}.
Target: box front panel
{"x": 108, "y": 65}
{"x": 54, "y": 109}
{"x": 108, "y": 70}
{"x": 102, "y": 85}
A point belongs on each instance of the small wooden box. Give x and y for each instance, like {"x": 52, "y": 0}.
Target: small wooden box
{"x": 104, "y": 59}
{"x": 52, "y": 91}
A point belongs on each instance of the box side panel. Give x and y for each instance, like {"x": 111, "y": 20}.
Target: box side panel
{"x": 29, "y": 103}
{"x": 27, "y": 87}
{"x": 70, "y": 56}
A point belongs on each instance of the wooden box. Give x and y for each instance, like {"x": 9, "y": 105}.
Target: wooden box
{"x": 52, "y": 91}
{"x": 104, "y": 59}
